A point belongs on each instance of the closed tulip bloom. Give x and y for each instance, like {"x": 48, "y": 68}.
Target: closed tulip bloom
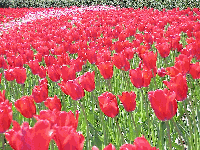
{"x": 40, "y": 93}
{"x": 5, "y": 116}
{"x": 68, "y": 73}
{"x": 128, "y": 100}
{"x": 195, "y": 70}
{"x": 26, "y": 106}
{"x": 149, "y": 59}
{"x": 178, "y": 84}
{"x": 67, "y": 138}
{"x": 53, "y": 103}
{"x": 54, "y": 73}
{"x": 108, "y": 104}
{"x": 163, "y": 103}
{"x": 87, "y": 81}
{"x": 140, "y": 78}
{"x": 9, "y": 74}
{"x": 20, "y": 75}
{"x": 72, "y": 88}
{"x": 106, "y": 69}
{"x": 121, "y": 62}
{"x": 30, "y": 138}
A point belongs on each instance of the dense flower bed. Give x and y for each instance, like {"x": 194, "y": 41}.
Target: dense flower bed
{"x": 57, "y": 61}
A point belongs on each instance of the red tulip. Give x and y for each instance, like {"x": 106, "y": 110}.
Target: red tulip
{"x": 140, "y": 78}
{"x": 67, "y": 119}
{"x": 40, "y": 93}
{"x": 87, "y": 81}
{"x": 30, "y": 138}
{"x": 128, "y": 100}
{"x": 2, "y": 96}
{"x": 127, "y": 147}
{"x": 94, "y": 148}
{"x": 121, "y": 62}
{"x": 110, "y": 147}
{"x": 72, "y": 88}
{"x": 42, "y": 72}
{"x": 161, "y": 72}
{"x": 178, "y": 84}
{"x": 49, "y": 115}
{"x": 141, "y": 143}
{"x": 195, "y": 70}
{"x": 9, "y": 74}
{"x": 5, "y": 115}
{"x": 68, "y": 73}
{"x": 163, "y": 103}
{"x": 26, "y": 106}
{"x": 35, "y": 67}
{"x": 149, "y": 59}
{"x": 20, "y": 75}
{"x": 53, "y": 103}
{"x": 67, "y": 138}
{"x": 106, "y": 69}
{"x": 163, "y": 49}
{"x": 54, "y": 73}
{"x": 108, "y": 104}
{"x": 0, "y": 77}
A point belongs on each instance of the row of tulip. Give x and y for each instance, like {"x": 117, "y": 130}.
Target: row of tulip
{"x": 129, "y": 53}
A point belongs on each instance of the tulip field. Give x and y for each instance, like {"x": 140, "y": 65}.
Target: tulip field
{"x": 99, "y": 78}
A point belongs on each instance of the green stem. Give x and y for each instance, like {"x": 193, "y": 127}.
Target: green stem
{"x": 168, "y": 133}
{"x": 178, "y": 131}
{"x": 190, "y": 124}
{"x": 52, "y": 145}
{"x": 134, "y": 124}
{"x": 161, "y": 136}
{"x": 120, "y": 131}
{"x": 2, "y": 140}
{"x": 86, "y": 121}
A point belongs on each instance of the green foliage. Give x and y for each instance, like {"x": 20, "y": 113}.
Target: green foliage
{"x": 157, "y": 4}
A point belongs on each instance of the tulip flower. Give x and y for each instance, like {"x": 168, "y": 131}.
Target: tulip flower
{"x": 87, "y": 81}
{"x": 67, "y": 138}
{"x": 2, "y": 96}
{"x": 121, "y": 62}
{"x": 30, "y": 138}
{"x": 54, "y": 73}
{"x": 127, "y": 147}
{"x": 178, "y": 84}
{"x": 35, "y": 67}
{"x": 110, "y": 147}
{"x": 195, "y": 70}
{"x": 5, "y": 116}
{"x": 163, "y": 103}
{"x": 141, "y": 143}
{"x": 9, "y": 74}
{"x": 68, "y": 73}
{"x": 106, "y": 69}
{"x": 26, "y": 106}
{"x": 53, "y": 103}
{"x": 20, "y": 75}
{"x": 128, "y": 100}
{"x": 72, "y": 88}
{"x": 40, "y": 93}
{"x": 108, "y": 104}
{"x": 140, "y": 78}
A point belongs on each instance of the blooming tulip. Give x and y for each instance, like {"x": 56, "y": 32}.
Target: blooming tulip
{"x": 128, "y": 100}
{"x": 163, "y": 103}
{"x": 108, "y": 104}
{"x": 26, "y": 106}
